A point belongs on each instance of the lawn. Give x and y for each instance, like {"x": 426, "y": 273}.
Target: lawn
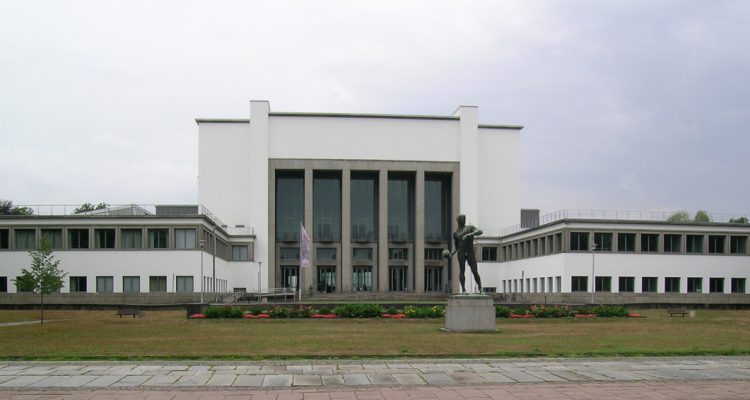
{"x": 167, "y": 334}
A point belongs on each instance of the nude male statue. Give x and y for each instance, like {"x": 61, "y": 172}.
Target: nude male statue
{"x": 463, "y": 240}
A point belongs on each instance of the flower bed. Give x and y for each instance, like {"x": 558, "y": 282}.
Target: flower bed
{"x": 561, "y": 311}
{"x": 342, "y": 311}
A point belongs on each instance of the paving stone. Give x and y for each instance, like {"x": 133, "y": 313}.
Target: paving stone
{"x": 306, "y": 380}
{"x": 494, "y": 377}
{"x": 162, "y": 380}
{"x": 332, "y": 380}
{"x": 76, "y": 381}
{"x": 23, "y": 381}
{"x": 49, "y": 381}
{"x": 546, "y": 376}
{"x": 466, "y": 377}
{"x": 409, "y": 379}
{"x": 131, "y": 380}
{"x": 277, "y": 380}
{"x": 356, "y": 379}
{"x": 438, "y": 379}
{"x": 4, "y": 379}
{"x": 248, "y": 380}
{"x": 194, "y": 380}
{"x": 576, "y": 376}
{"x": 104, "y": 380}
{"x": 520, "y": 376}
{"x": 221, "y": 380}
{"x": 382, "y": 379}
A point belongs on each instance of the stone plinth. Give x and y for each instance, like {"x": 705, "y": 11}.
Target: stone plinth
{"x": 470, "y": 313}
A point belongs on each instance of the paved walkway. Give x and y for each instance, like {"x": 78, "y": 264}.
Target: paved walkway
{"x": 364, "y": 374}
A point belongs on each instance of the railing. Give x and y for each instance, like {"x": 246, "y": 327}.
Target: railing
{"x": 123, "y": 210}
{"x": 613, "y": 215}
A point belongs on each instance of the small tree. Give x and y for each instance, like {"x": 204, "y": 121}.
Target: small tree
{"x": 679, "y": 216}
{"x": 86, "y": 207}
{"x": 702, "y": 216}
{"x": 45, "y": 275}
{"x": 738, "y": 220}
{"x": 7, "y": 208}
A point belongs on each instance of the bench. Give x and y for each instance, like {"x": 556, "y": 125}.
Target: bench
{"x": 677, "y": 311}
{"x": 129, "y": 311}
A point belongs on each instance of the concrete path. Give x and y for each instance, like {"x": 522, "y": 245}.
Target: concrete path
{"x": 366, "y": 374}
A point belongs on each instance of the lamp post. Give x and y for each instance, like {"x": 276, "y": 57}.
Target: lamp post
{"x": 202, "y": 243}
{"x": 593, "y": 276}
{"x": 213, "y": 279}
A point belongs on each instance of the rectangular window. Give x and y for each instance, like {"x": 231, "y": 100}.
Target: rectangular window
{"x": 672, "y": 285}
{"x": 716, "y": 244}
{"x": 489, "y": 253}
{"x": 626, "y": 242}
{"x": 78, "y": 284}
{"x": 579, "y": 283}
{"x": 104, "y": 238}
{"x": 362, "y": 279}
{"x": 672, "y": 243}
{"x": 738, "y": 285}
{"x": 3, "y": 284}
{"x": 627, "y": 284}
{"x": 289, "y": 277}
{"x": 432, "y": 254}
{"x": 400, "y": 207}
{"x": 362, "y": 253}
{"x": 325, "y": 253}
{"x": 603, "y": 241}
{"x": 694, "y": 244}
{"x": 695, "y": 285}
{"x": 131, "y": 284}
{"x": 648, "y": 284}
{"x": 184, "y": 238}
{"x": 25, "y": 239}
{"x": 239, "y": 253}
{"x": 105, "y": 284}
{"x": 437, "y": 207}
{"x": 364, "y": 206}
{"x": 579, "y": 241}
{"x": 184, "y": 284}
{"x": 53, "y": 237}
{"x": 290, "y": 205}
{"x": 398, "y": 253}
{"x": 327, "y": 206}
{"x": 131, "y": 238}
{"x": 558, "y": 284}
{"x": 603, "y": 283}
{"x": 433, "y": 279}
{"x": 158, "y": 238}
{"x": 738, "y": 245}
{"x": 4, "y": 239}
{"x": 716, "y": 285}
{"x": 157, "y": 284}
{"x": 649, "y": 242}
{"x": 397, "y": 281}
{"x": 78, "y": 238}
{"x": 327, "y": 279}
{"x": 289, "y": 253}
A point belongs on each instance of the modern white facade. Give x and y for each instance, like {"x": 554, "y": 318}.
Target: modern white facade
{"x": 378, "y": 196}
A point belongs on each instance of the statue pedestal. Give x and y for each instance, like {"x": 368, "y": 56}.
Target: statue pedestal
{"x": 470, "y": 313}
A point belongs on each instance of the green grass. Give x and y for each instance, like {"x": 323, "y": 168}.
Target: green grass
{"x": 168, "y": 335}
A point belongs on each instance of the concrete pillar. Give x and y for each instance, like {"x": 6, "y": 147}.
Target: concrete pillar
{"x": 382, "y": 272}
{"x": 455, "y": 207}
{"x": 307, "y": 274}
{"x": 419, "y": 232}
{"x": 346, "y": 237}
{"x": 469, "y": 163}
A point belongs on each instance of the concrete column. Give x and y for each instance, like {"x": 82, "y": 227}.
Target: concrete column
{"x": 382, "y": 271}
{"x": 469, "y": 163}
{"x": 455, "y": 210}
{"x": 307, "y": 274}
{"x": 345, "y": 274}
{"x": 419, "y": 232}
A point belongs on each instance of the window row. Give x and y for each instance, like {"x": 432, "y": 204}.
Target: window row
{"x": 650, "y": 284}
{"x": 362, "y": 278}
{"x": 361, "y": 253}
{"x": 113, "y": 238}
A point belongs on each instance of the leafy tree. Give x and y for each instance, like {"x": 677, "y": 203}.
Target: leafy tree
{"x": 85, "y": 207}
{"x": 45, "y": 275}
{"x": 702, "y": 216}
{"x": 7, "y": 208}
{"x": 679, "y": 216}
{"x": 738, "y": 220}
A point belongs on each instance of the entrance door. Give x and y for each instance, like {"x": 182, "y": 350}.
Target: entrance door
{"x": 362, "y": 279}
{"x": 397, "y": 279}
{"x": 326, "y": 279}
{"x": 290, "y": 277}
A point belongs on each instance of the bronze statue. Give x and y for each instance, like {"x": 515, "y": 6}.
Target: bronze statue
{"x": 463, "y": 240}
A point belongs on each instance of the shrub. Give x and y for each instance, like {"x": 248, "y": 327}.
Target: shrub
{"x": 324, "y": 310}
{"x": 391, "y": 310}
{"x": 502, "y": 312}
{"x": 255, "y": 310}
{"x": 609, "y": 311}
{"x": 358, "y": 311}
{"x": 301, "y": 312}
{"x": 519, "y": 311}
{"x": 280, "y": 312}
{"x": 551, "y": 311}
{"x": 224, "y": 312}
{"x": 424, "y": 312}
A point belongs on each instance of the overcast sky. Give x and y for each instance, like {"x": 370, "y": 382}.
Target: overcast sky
{"x": 631, "y": 105}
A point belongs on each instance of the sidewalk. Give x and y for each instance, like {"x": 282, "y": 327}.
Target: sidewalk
{"x": 403, "y": 373}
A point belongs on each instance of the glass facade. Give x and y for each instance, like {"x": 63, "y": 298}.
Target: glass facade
{"x": 400, "y": 207}
{"x": 290, "y": 204}
{"x": 364, "y": 206}
{"x": 53, "y": 237}
{"x": 327, "y": 206}
{"x": 437, "y": 207}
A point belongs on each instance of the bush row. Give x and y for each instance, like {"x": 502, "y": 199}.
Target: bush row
{"x": 559, "y": 311}
{"x": 342, "y": 311}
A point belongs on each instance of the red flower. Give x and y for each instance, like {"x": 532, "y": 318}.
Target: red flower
{"x": 198, "y": 316}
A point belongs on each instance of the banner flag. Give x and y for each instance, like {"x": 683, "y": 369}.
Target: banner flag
{"x": 304, "y": 247}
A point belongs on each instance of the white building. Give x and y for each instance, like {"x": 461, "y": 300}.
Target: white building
{"x": 378, "y": 195}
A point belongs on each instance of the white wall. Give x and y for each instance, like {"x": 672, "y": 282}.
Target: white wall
{"x": 499, "y": 178}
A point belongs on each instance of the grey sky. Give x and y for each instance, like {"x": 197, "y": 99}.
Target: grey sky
{"x": 638, "y": 105}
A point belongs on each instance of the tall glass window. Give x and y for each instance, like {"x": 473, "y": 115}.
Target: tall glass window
{"x": 400, "y": 207}
{"x": 158, "y": 239}
{"x": 290, "y": 204}
{"x": 437, "y": 207}
{"x": 184, "y": 238}
{"x": 78, "y": 238}
{"x": 364, "y": 206}
{"x": 626, "y": 242}
{"x": 131, "y": 284}
{"x": 25, "y": 239}
{"x": 4, "y": 239}
{"x": 579, "y": 241}
{"x": 104, "y": 238}
{"x": 603, "y": 241}
{"x": 327, "y": 206}
{"x": 362, "y": 279}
